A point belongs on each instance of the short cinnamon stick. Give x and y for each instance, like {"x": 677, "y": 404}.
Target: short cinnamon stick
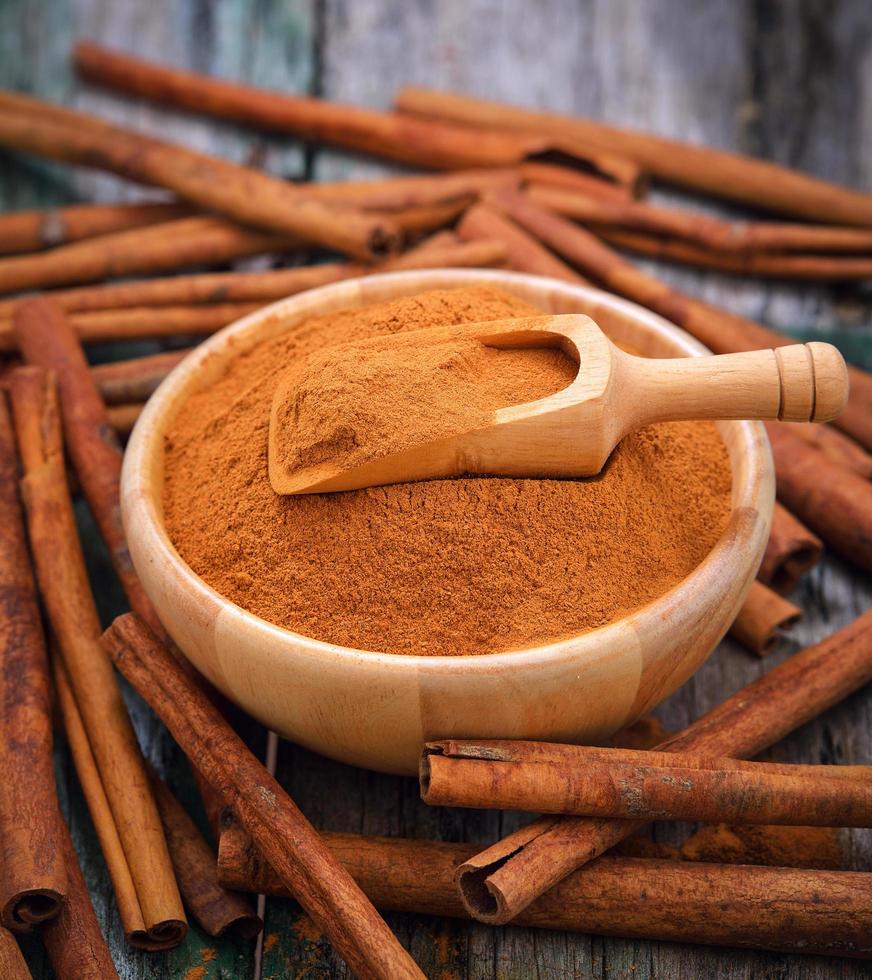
{"x": 835, "y": 445}
{"x": 723, "y": 332}
{"x": 217, "y": 909}
{"x": 122, "y": 418}
{"x": 421, "y": 143}
{"x": 32, "y": 872}
{"x": 763, "y": 616}
{"x": 30, "y": 231}
{"x": 726, "y": 905}
{"x": 502, "y": 881}
{"x": 543, "y": 777}
{"x": 523, "y": 252}
{"x": 792, "y": 550}
{"x": 400, "y": 193}
{"x": 807, "y": 268}
{"x": 262, "y": 807}
{"x": 735, "y": 238}
{"x": 240, "y": 193}
{"x": 159, "y": 248}
{"x": 718, "y": 172}
{"x": 75, "y": 946}
{"x": 834, "y": 502}
{"x": 129, "y": 910}
{"x": 12, "y": 964}
{"x": 136, "y": 379}
{"x": 552, "y": 175}
{"x": 474, "y": 254}
{"x": 70, "y": 607}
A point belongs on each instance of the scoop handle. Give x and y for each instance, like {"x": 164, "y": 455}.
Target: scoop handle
{"x": 796, "y": 383}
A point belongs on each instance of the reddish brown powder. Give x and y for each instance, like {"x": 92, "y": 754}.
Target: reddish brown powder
{"x": 353, "y": 403}
{"x": 440, "y": 567}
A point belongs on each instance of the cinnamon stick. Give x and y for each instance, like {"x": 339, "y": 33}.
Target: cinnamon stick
{"x": 136, "y": 379}
{"x": 835, "y": 445}
{"x": 807, "y": 268}
{"x": 217, "y": 909}
{"x": 763, "y": 616}
{"x": 505, "y": 878}
{"x": 725, "y": 905}
{"x": 733, "y": 176}
{"x": 69, "y": 604}
{"x": 262, "y": 807}
{"x": 145, "y": 322}
{"x": 591, "y": 206}
{"x": 12, "y": 964}
{"x": 834, "y": 502}
{"x": 722, "y": 332}
{"x": 30, "y": 231}
{"x": 75, "y": 946}
{"x": 190, "y": 290}
{"x": 481, "y": 253}
{"x": 122, "y": 418}
{"x": 46, "y": 338}
{"x": 552, "y": 175}
{"x": 129, "y": 909}
{"x": 791, "y": 551}
{"x": 629, "y": 783}
{"x": 239, "y": 193}
{"x": 523, "y": 252}
{"x": 422, "y": 143}
{"x": 32, "y": 874}
{"x": 400, "y": 193}
{"x": 159, "y": 248}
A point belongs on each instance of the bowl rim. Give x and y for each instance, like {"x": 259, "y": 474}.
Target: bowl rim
{"x": 138, "y": 494}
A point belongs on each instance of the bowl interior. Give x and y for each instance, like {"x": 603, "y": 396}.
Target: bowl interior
{"x": 626, "y": 323}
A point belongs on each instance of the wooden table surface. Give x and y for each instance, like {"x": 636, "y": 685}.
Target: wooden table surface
{"x": 789, "y": 81}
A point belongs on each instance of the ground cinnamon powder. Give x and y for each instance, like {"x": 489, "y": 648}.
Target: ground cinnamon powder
{"x": 349, "y": 404}
{"x": 464, "y": 566}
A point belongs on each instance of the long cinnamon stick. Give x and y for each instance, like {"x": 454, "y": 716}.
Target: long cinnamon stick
{"x": 421, "y": 143}
{"x": 30, "y": 231}
{"x": 159, "y": 248}
{"x": 189, "y": 290}
{"x": 240, "y": 193}
{"x": 70, "y": 606}
{"x": 523, "y": 252}
{"x": 807, "y": 268}
{"x": 136, "y": 379}
{"x": 12, "y": 964}
{"x": 145, "y": 322}
{"x": 552, "y": 175}
{"x": 73, "y": 941}
{"x": 791, "y": 551}
{"x": 262, "y": 807}
{"x": 763, "y": 616}
{"x": 502, "y": 880}
{"x": 217, "y": 909}
{"x": 835, "y": 445}
{"x": 591, "y": 206}
{"x": 723, "y": 332}
{"x": 834, "y": 502}
{"x": 32, "y": 873}
{"x": 726, "y": 905}
{"x": 547, "y": 778}
{"x": 129, "y": 909}
{"x": 718, "y": 172}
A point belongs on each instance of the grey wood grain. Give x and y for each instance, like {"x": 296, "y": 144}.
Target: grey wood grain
{"x": 792, "y": 81}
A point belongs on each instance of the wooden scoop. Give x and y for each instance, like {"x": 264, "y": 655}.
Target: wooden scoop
{"x": 572, "y": 432}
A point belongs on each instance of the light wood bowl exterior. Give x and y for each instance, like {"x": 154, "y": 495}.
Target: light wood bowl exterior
{"x": 375, "y": 710}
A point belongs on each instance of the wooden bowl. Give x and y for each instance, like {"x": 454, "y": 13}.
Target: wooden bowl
{"x": 374, "y": 709}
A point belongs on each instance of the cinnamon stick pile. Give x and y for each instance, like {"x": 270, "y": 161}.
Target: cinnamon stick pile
{"x": 513, "y": 188}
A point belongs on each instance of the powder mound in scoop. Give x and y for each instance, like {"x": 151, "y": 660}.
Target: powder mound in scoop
{"x": 353, "y": 403}
{"x": 463, "y": 566}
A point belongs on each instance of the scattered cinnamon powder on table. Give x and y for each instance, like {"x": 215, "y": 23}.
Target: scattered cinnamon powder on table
{"x": 465, "y": 566}
{"x": 353, "y": 403}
